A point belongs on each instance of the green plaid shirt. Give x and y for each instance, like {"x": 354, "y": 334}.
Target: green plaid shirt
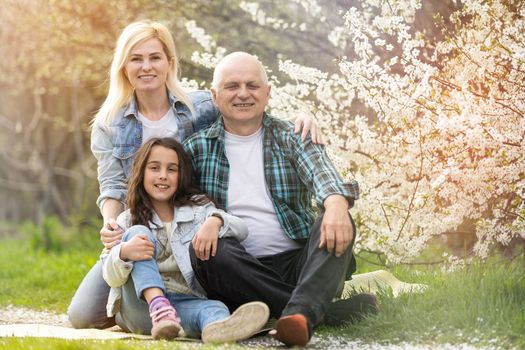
{"x": 295, "y": 172}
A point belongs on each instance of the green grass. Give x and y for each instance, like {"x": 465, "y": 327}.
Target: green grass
{"x": 483, "y": 304}
{"x": 40, "y": 280}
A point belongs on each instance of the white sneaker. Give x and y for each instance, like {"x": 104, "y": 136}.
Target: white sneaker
{"x": 246, "y": 321}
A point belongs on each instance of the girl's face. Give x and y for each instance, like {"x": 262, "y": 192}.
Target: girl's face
{"x": 148, "y": 66}
{"x": 161, "y": 176}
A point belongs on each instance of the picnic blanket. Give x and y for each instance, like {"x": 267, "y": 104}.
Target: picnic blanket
{"x": 48, "y": 331}
{"x": 377, "y": 281}
{"x": 371, "y": 282}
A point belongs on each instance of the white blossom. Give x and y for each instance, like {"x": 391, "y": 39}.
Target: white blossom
{"x": 445, "y": 139}
{"x": 198, "y": 33}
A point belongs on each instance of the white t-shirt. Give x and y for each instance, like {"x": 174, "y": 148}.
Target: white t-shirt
{"x": 164, "y": 127}
{"x": 249, "y": 198}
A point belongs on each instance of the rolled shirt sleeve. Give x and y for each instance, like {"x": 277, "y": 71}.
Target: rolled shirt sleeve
{"x": 110, "y": 172}
{"x": 233, "y": 226}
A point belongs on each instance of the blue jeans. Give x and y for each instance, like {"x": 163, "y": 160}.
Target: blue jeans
{"x": 195, "y": 313}
{"x": 88, "y": 306}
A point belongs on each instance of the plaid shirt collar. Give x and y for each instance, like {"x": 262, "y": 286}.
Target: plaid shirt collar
{"x": 216, "y": 130}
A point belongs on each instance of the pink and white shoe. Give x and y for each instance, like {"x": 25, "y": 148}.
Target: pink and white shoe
{"x": 166, "y": 324}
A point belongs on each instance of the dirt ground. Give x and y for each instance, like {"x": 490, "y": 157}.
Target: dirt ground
{"x": 13, "y": 315}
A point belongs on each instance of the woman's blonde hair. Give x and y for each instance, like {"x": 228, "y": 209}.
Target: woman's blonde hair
{"x": 120, "y": 90}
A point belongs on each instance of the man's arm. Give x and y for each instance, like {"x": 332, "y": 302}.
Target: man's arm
{"x": 318, "y": 174}
{"x": 336, "y": 196}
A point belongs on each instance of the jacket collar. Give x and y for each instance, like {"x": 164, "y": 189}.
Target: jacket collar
{"x": 131, "y": 109}
{"x": 180, "y": 214}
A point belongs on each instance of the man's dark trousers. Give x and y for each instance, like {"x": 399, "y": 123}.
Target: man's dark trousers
{"x": 298, "y": 281}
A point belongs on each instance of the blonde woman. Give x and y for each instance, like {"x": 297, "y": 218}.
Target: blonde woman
{"x": 144, "y": 100}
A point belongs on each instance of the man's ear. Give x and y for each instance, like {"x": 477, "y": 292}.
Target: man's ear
{"x": 214, "y": 96}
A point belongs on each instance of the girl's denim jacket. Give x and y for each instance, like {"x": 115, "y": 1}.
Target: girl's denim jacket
{"x": 114, "y": 146}
{"x": 187, "y": 221}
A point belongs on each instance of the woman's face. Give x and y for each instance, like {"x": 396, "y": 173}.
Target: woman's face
{"x": 148, "y": 66}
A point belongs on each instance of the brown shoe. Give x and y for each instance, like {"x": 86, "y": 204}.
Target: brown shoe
{"x": 292, "y": 330}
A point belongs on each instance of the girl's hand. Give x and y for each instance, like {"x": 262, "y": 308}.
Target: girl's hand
{"x": 137, "y": 248}
{"x": 111, "y": 234}
{"x": 307, "y": 123}
{"x": 205, "y": 240}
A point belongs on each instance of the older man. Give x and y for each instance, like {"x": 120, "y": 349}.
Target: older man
{"x": 258, "y": 169}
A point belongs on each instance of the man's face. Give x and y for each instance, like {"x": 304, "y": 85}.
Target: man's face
{"x": 241, "y": 94}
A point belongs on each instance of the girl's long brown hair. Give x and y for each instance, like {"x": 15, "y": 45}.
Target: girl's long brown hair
{"x": 187, "y": 192}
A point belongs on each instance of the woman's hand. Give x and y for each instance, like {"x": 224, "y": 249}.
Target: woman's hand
{"x": 307, "y": 124}
{"x": 137, "y": 248}
{"x": 205, "y": 240}
{"x": 111, "y": 234}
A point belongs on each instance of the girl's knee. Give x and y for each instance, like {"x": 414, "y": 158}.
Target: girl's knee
{"x": 137, "y": 230}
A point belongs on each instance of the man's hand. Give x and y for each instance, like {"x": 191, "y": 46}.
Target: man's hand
{"x": 205, "y": 240}
{"x": 305, "y": 124}
{"x": 137, "y": 248}
{"x": 336, "y": 229}
{"x": 111, "y": 234}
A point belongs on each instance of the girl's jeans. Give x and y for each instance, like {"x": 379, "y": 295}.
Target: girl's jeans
{"x": 195, "y": 313}
{"x": 88, "y": 306}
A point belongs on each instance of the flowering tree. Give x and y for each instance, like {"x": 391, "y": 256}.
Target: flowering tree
{"x": 440, "y": 138}
{"x": 426, "y": 113}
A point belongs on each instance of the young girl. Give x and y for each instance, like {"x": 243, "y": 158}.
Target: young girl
{"x": 166, "y": 212}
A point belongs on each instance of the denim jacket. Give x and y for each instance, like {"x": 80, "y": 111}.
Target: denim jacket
{"x": 187, "y": 221}
{"x": 114, "y": 147}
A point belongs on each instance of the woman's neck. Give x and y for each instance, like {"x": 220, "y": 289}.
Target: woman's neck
{"x": 153, "y": 105}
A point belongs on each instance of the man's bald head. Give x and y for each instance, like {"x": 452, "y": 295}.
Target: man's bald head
{"x": 232, "y": 60}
